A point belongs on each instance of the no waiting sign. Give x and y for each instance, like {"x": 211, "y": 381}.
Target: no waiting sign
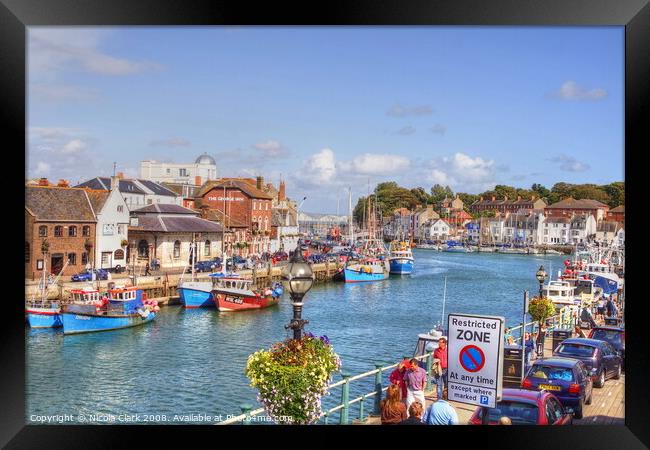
{"x": 475, "y": 359}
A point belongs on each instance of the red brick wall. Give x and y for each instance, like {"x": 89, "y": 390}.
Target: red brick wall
{"x": 239, "y": 206}
{"x": 58, "y": 245}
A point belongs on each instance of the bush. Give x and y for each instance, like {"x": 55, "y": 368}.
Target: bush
{"x": 292, "y": 376}
{"x": 541, "y": 308}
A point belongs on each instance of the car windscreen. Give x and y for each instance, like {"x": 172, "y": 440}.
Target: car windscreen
{"x": 611, "y": 336}
{"x": 546, "y": 372}
{"x": 576, "y": 350}
{"x": 520, "y": 413}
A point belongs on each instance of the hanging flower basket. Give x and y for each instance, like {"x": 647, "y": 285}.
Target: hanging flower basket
{"x": 124, "y": 243}
{"x": 292, "y": 376}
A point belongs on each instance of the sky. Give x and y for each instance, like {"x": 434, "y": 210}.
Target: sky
{"x": 331, "y": 108}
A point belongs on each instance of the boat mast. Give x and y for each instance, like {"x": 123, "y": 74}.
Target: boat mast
{"x": 444, "y": 299}
{"x": 193, "y": 258}
{"x": 351, "y": 230}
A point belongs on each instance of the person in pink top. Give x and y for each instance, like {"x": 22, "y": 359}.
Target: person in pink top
{"x": 416, "y": 378}
{"x": 397, "y": 377}
{"x": 441, "y": 354}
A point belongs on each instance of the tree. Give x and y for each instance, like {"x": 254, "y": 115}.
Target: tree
{"x": 421, "y": 195}
{"x": 503, "y": 191}
{"x": 541, "y": 191}
{"x": 438, "y": 193}
{"x": 540, "y": 309}
{"x": 590, "y": 191}
{"x": 616, "y": 193}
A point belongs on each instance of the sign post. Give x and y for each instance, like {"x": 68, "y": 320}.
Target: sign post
{"x": 475, "y": 360}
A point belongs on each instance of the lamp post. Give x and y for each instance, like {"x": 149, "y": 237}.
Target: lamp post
{"x": 541, "y": 276}
{"x": 300, "y": 278}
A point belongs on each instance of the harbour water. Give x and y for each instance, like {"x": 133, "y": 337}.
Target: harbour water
{"x": 190, "y": 362}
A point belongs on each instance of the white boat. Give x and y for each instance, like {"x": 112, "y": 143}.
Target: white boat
{"x": 561, "y": 293}
{"x": 513, "y": 250}
{"x": 484, "y": 249}
{"x": 550, "y": 251}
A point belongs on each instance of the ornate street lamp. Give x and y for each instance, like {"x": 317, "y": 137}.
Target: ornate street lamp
{"x": 541, "y": 277}
{"x": 300, "y": 278}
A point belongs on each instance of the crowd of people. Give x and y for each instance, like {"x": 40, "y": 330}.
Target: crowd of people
{"x": 405, "y": 402}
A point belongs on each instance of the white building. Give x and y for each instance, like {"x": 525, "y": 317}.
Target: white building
{"x": 437, "y": 230}
{"x": 203, "y": 169}
{"x": 496, "y": 229}
{"x": 112, "y": 226}
{"x": 556, "y": 230}
{"x": 523, "y": 228}
{"x": 137, "y": 193}
{"x": 619, "y": 240}
{"x": 582, "y": 228}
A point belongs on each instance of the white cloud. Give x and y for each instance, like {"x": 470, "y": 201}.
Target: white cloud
{"x": 570, "y": 90}
{"x": 376, "y": 164}
{"x": 42, "y": 168}
{"x": 398, "y": 110}
{"x": 570, "y": 164}
{"x": 270, "y": 148}
{"x": 319, "y": 168}
{"x": 53, "y": 50}
{"x": 74, "y": 146}
{"x": 463, "y": 172}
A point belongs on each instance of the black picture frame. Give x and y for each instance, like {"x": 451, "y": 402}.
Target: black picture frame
{"x": 634, "y": 15}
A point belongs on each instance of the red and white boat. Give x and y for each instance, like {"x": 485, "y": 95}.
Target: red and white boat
{"x": 237, "y": 294}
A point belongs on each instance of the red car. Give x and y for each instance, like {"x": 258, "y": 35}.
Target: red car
{"x": 525, "y": 407}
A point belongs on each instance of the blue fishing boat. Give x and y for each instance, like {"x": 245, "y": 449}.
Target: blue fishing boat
{"x": 42, "y": 312}
{"x": 193, "y": 293}
{"x": 365, "y": 269}
{"x": 121, "y": 308}
{"x": 401, "y": 258}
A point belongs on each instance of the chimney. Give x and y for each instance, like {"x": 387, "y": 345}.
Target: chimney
{"x": 532, "y": 198}
{"x": 480, "y": 199}
{"x": 281, "y": 192}
{"x": 115, "y": 183}
{"x": 197, "y": 180}
{"x": 120, "y": 175}
{"x": 62, "y": 183}
{"x": 43, "y": 182}
{"x": 260, "y": 182}
{"x": 505, "y": 198}
{"x": 519, "y": 198}
{"x": 493, "y": 198}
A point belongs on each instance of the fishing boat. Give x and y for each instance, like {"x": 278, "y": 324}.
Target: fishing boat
{"x": 194, "y": 293}
{"x": 400, "y": 258}
{"x": 560, "y": 292}
{"x": 550, "y": 251}
{"x": 233, "y": 293}
{"x": 120, "y": 308}
{"x": 42, "y": 312}
{"x": 487, "y": 249}
{"x": 365, "y": 269}
{"x": 455, "y": 247}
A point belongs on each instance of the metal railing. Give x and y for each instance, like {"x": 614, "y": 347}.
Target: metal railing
{"x": 344, "y": 407}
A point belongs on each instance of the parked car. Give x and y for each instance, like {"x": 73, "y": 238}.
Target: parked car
{"x": 524, "y": 407}
{"x": 87, "y": 275}
{"x": 236, "y": 263}
{"x": 209, "y": 265}
{"x": 599, "y": 355}
{"x": 567, "y": 378}
{"x": 613, "y": 335}
{"x": 280, "y": 256}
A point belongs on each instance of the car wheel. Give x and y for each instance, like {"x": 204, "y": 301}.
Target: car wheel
{"x": 618, "y": 373}
{"x": 600, "y": 382}
{"x": 118, "y": 268}
{"x": 578, "y": 412}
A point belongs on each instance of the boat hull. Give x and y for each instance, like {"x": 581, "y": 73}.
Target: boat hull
{"x": 196, "y": 295}
{"x": 75, "y": 323}
{"x": 228, "y": 302}
{"x": 401, "y": 266}
{"x": 354, "y": 276}
{"x": 44, "y": 317}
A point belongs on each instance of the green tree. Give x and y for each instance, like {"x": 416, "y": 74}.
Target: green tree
{"x": 541, "y": 191}
{"x": 421, "y": 195}
{"x": 616, "y": 193}
{"x": 438, "y": 193}
{"x": 503, "y": 191}
{"x": 590, "y": 191}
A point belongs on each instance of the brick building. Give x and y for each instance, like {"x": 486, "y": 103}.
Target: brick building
{"x": 506, "y": 206}
{"x": 243, "y": 201}
{"x": 570, "y": 206}
{"x": 63, "y": 217}
{"x": 617, "y": 214}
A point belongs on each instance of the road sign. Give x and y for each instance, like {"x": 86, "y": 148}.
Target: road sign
{"x": 475, "y": 359}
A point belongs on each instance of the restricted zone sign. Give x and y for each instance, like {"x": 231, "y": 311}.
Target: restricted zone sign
{"x": 475, "y": 359}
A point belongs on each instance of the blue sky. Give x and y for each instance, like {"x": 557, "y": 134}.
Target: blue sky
{"x": 330, "y": 107}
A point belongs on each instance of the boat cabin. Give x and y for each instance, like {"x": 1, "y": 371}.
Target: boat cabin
{"x": 233, "y": 283}
{"x": 427, "y": 342}
{"x": 85, "y": 296}
{"x": 560, "y": 292}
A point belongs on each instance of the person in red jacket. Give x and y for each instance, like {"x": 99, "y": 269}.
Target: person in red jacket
{"x": 441, "y": 354}
{"x": 397, "y": 377}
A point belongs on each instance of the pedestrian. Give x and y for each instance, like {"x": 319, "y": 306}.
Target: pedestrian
{"x": 146, "y": 270}
{"x": 393, "y": 410}
{"x": 441, "y": 412}
{"x": 529, "y": 348}
{"x": 415, "y": 414}
{"x": 505, "y": 421}
{"x": 441, "y": 354}
{"x": 416, "y": 378}
{"x": 397, "y": 377}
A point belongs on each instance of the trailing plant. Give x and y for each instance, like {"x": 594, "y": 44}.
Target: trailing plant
{"x": 292, "y": 376}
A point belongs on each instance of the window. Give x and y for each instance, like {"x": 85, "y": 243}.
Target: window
{"x": 120, "y": 208}
{"x": 42, "y": 231}
{"x": 84, "y": 258}
{"x": 206, "y": 251}
{"x": 72, "y": 258}
{"x": 182, "y": 172}
{"x": 108, "y": 229}
{"x": 72, "y": 231}
{"x": 58, "y": 231}
{"x": 169, "y": 171}
{"x": 143, "y": 248}
{"x": 177, "y": 249}
{"x": 149, "y": 202}
{"x": 27, "y": 252}
{"x": 85, "y": 230}
{"x": 254, "y": 206}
